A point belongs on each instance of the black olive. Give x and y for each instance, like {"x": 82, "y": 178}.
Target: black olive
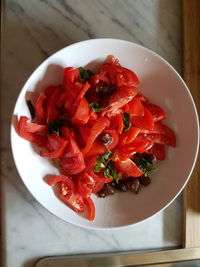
{"x": 106, "y": 139}
{"x": 122, "y": 185}
{"x": 133, "y": 185}
{"x": 144, "y": 180}
{"x": 149, "y": 157}
{"x": 105, "y": 90}
{"x": 106, "y": 190}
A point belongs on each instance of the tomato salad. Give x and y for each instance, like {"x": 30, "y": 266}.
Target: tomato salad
{"x": 102, "y": 133}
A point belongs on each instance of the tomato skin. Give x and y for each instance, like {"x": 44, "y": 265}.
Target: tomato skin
{"x": 59, "y": 178}
{"x": 119, "y": 98}
{"x": 40, "y": 109}
{"x": 167, "y": 138}
{"x": 72, "y": 160}
{"x": 128, "y": 137}
{"x": 146, "y": 121}
{"x": 82, "y": 113}
{"x": 91, "y": 208}
{"x": 52, "y": 111}
{"x": 129, "y": 168}
{"x": 55, "y": 146}
{"x": 73, "y": 200}
{"x": 31, "y": 132}
{"x": 75, "y": 105}
{"x": 157, "y": 112}
{"x": 134, "y": 107}
{"x": 117, "y": 123}
{"x": 96, "y": 149}
{"x": 85, "y": 184}
{"x": 96, "y": 130}
{"x": 159, "y": 151}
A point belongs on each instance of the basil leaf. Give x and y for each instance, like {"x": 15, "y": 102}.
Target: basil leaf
{"x": 95, "y": 107}
{"x": 85, "y": 74}
{"x": 144, "y": 165}
{"x": 31, "y": 108}
{"x": 108, "y": 155}
{"x": 126, "y": 120}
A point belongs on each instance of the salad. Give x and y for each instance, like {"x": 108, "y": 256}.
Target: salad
{"x": 100, "y": 131}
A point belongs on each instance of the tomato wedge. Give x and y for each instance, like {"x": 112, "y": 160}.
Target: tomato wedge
{"x": 55, "y": 146}
{"x": 146, "y": 121}
{"x": 85, "y": 184}
{"x": 91, "y": 208}
{"x": 159, "y": 151}
{"x": 82, "y": 114}
{"x": 59, "y": 178}
{"x": 72, "y": 160}
{"x": 40, "y": 109}
{"x": 116, "y": 123}
{"x": 30, "y": 131}
{"x": 96, "y": 130}
{"x": 134, "y": 107}
{"x": 73, "y": 199}
{"x": 119, "y": 98}
{"x": 129, "y": 168}
{"x": 128, "y": 137}
{"x": 157, "y": 112}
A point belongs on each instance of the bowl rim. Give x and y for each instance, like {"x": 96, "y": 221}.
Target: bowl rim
{"x": 12, "y": 131}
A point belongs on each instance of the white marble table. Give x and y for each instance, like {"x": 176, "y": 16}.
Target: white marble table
{"x": 33, "y": 30}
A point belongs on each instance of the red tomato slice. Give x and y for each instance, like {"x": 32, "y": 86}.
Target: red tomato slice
{"x": 49, "y": 90}
{"x": 129, "y": 168}
{"x": 157, "y": 129}
{"x": 159, "y": 151}
{"x": 59, "y": 178}
{"x": 128, "y": 137}
{"x": 97, "y": 149}
{"x": 72, "y": 160}
{"x": 114, "y": 136}
{"x": 146, "y": 121}
{"x": 40, "y": 108}
{"x": 91, "y": 208}
{"x": 119, "y": 98}
{"x": 55, "y": 146}
{"x": 29, "y": 133}
{"x": 73, "y": 199}
{"x": 167, "y": 138}
{"x": 32, "y": 127}
{"x": 117, "y": 123}
{"x": 96, "y": 130}
{"x": 134, "y": 107}
{"x": 82, "y": 114}
{"x": 75, "y": 105}
{"x": 142, "y": 98}
{"x": 52, "y": 110}
{"x": 157, "y": 112}
{"x": 85, "y": 184}
{"x": 126, "y": 77}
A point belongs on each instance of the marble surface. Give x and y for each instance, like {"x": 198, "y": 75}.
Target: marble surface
{"x": 33, "y": 30}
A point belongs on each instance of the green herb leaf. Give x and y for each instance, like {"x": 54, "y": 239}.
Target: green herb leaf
{"x": 95, "y": 107}
{"x": 31, "y": 108}
{"x": 108, "y": 155}
{"x": 85, "y": 74}
{"x": 144, "y": 165}
{"x": 127, "y": 124}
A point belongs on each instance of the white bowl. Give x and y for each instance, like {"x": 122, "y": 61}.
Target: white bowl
{"x": 163, "y": 86}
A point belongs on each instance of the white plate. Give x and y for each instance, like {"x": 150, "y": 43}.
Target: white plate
{"x": 163, "y": 86}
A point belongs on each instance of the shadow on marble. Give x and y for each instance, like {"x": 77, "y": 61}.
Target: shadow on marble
{"x": 30, "y": 263}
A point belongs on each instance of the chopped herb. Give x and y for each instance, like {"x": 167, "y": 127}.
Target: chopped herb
{"x": 55, "y": 126}
{"x": 144, "y": 164}
{"x": 31, "y": 108}
{"x": 95, "y": 107}
{"x": 107, "y": 166}
{"x": 127, "y": 124}
{"x": 85, "y": 74}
